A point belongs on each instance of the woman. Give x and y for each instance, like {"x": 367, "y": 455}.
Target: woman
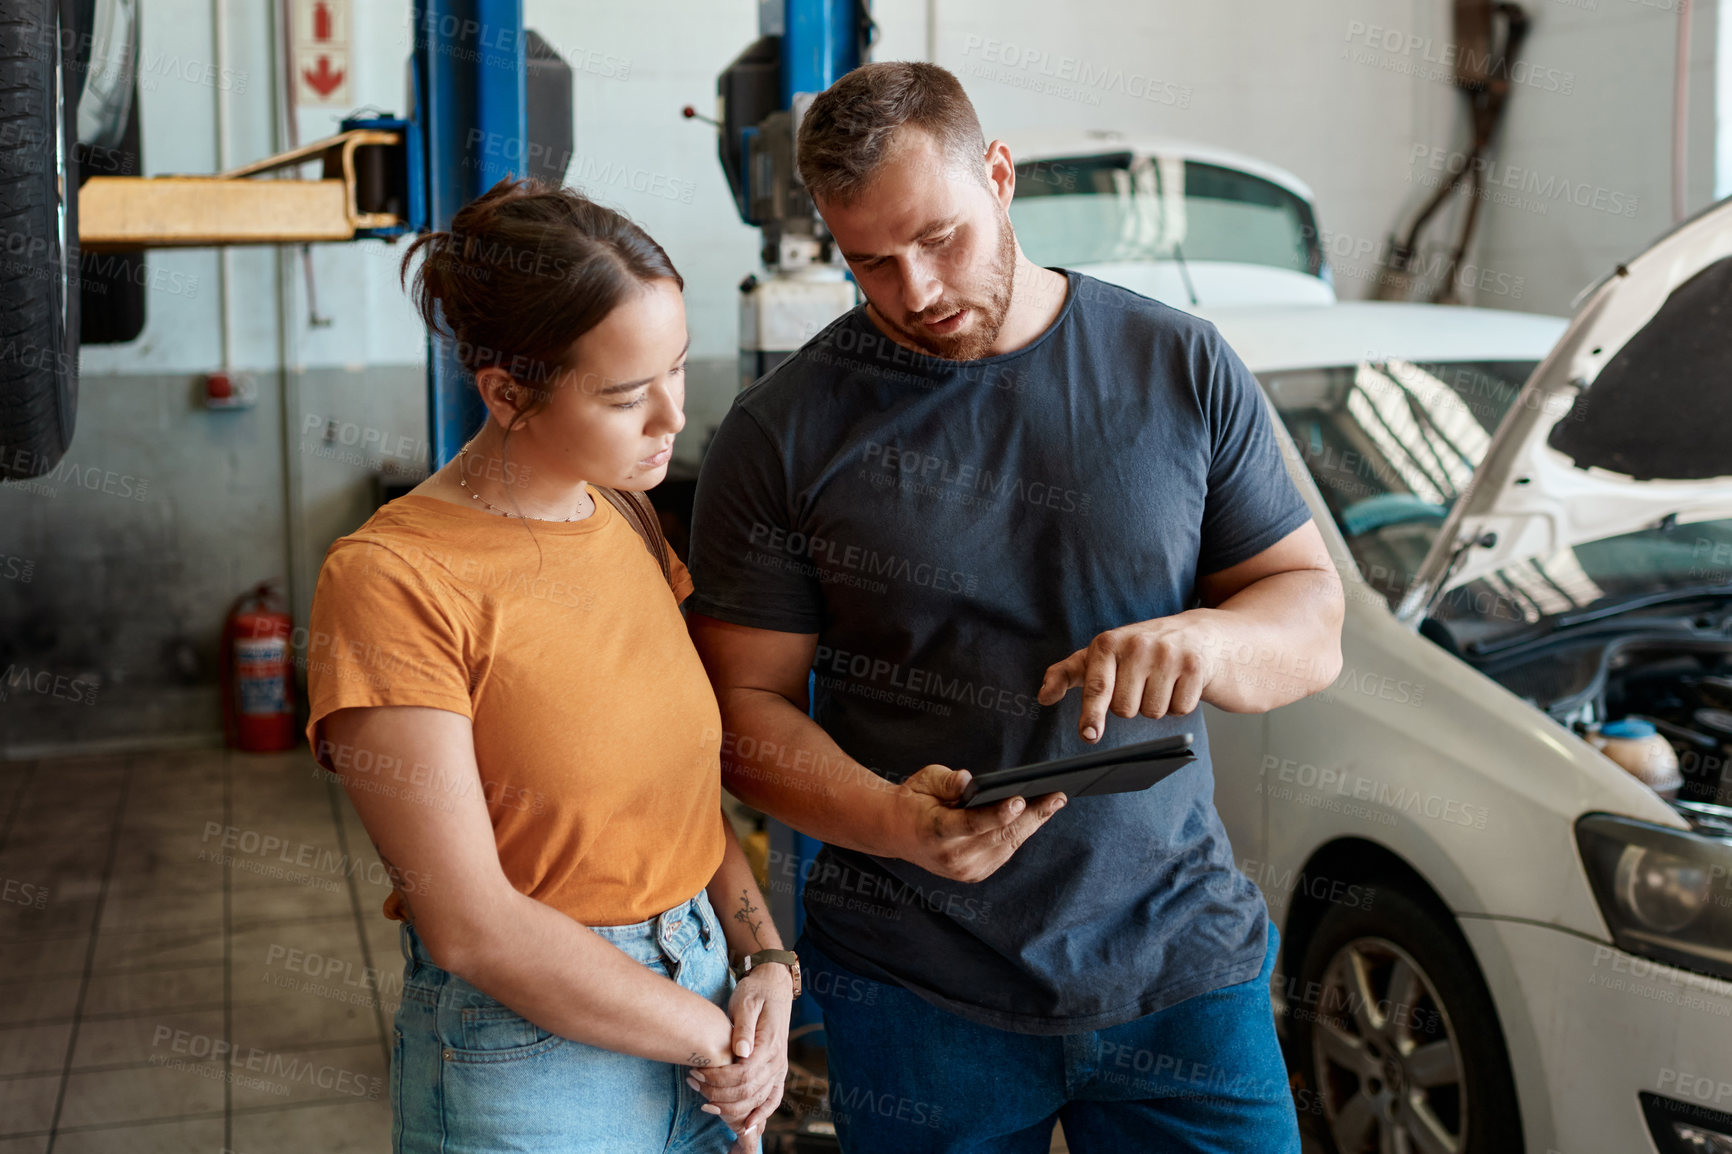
{"x": 500, "y": 674}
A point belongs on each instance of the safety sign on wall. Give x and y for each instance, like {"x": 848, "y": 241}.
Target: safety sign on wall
{"x": 322, "y": 30}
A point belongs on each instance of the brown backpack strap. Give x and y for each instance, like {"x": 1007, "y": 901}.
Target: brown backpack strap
{"x": 641, "y": 516}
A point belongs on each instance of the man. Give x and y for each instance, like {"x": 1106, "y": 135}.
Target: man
{"x": 993, "y": 484}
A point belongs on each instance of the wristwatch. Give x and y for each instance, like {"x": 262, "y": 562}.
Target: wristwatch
{"x": 763, "y": 957}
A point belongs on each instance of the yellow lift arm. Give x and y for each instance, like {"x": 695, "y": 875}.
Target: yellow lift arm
{"x": 134, "y": 212}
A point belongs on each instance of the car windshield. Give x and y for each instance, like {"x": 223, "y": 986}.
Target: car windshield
{"x": 1670, "y": 558}
{"x": 1082, "y": 210}
{"x": 1391, "y": 444}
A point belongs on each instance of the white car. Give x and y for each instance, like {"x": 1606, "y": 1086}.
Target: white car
{"x": 1494, "y": 937}
{"x": 1187, "y": 224}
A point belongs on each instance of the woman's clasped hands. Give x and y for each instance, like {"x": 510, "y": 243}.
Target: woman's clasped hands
{"x": 747, "y": 1090}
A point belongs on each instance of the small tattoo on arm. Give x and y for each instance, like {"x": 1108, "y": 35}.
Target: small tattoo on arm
{"x": 697, "y": 1059}
{"x": 743, "y": 915}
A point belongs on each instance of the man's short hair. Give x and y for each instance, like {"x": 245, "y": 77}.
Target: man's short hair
{"x": 848, "y": 130}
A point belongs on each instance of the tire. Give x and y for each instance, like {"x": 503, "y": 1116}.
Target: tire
{"x": 1398, "y": 1037}
{"x": 39, "y": 316}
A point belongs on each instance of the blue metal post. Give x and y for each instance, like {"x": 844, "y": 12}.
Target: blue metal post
{"x": 820, "y": 42}
{"x": 501, "y": 100}
{"x": 471, "y": 111}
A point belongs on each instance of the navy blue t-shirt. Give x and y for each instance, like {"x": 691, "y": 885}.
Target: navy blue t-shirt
{"x": 949, "y": 529}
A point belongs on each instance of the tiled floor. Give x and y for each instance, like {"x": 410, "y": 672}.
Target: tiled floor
{"x": 192, "y": 958}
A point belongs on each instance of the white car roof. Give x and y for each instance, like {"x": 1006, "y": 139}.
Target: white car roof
{"x": 1271, "y": 338}
{"x": 1051, "y": 145}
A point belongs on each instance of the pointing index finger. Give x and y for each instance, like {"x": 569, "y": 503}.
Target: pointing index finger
{"x": 1098, "y": 681}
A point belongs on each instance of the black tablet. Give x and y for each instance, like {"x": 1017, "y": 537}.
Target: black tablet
{"x": 1123, "y": 770}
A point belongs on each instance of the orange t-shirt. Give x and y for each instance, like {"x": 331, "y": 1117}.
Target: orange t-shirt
{"x": 596, "y": 732}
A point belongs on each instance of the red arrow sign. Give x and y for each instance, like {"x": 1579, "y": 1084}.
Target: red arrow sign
{"x": 323, "y": 81}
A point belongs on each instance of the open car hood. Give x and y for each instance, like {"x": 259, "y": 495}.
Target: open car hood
{"x": 1627, "y": 422}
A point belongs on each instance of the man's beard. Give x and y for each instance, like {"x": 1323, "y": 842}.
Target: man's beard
{"x": 989, "y": 314}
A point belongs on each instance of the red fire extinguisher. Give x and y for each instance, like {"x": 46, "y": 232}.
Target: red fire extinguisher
{"x": 257, "y": 673}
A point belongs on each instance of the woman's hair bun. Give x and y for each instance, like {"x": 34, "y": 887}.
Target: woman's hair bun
{"x": 525, "y": 270}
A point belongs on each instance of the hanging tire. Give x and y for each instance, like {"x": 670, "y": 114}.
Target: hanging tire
{"x": 39, "y": 90}
{"x": 1399, "y": 1039}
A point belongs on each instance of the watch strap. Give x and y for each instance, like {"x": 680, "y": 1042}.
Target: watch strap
{"x": 786, "y": 957}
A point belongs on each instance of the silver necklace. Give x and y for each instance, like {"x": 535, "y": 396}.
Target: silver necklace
{"x": 462, "y": 457}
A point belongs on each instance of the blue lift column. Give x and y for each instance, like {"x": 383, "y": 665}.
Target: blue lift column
{"x": 471, "y": 109}
{"x": 820, "y": 43}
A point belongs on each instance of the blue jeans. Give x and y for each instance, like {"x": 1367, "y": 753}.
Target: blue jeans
{"x": 469, "y": 1075}
{"x": 1205, "y": 1075}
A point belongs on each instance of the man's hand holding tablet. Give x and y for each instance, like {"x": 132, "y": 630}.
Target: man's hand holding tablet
{"x": 964, "y": 845}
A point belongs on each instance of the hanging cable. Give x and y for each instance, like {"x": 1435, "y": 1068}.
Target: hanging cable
{"x": 1488, "y": 36}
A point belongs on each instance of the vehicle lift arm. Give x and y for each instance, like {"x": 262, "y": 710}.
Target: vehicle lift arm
{"x": 381, "y": 177}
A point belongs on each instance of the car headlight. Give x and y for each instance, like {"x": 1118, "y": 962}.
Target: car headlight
{"x": 1666, "y": 893}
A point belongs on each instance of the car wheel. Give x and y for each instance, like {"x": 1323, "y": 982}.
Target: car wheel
{"x": 38, "y": 234}
{"x": 1398, "y": 1036}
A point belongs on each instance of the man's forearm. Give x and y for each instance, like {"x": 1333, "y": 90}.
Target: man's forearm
{"x": 1278, "y": 640}
{"x": 777, "y": 759}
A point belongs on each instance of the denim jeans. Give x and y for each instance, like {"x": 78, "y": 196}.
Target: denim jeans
{"x": 469, "y": 1075}
{"x": 1205, "y": 1075}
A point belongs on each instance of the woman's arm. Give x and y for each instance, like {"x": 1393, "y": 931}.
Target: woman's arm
{"x": 437, "y": 844}
{"x": 738, "y": 902}
{"x": 747, "y": 1092}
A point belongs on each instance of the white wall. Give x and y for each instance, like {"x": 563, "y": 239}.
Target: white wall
{"x": 1611, "y": 140}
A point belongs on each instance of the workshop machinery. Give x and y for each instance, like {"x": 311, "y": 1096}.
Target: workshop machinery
{"x": 803, "y": 46}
